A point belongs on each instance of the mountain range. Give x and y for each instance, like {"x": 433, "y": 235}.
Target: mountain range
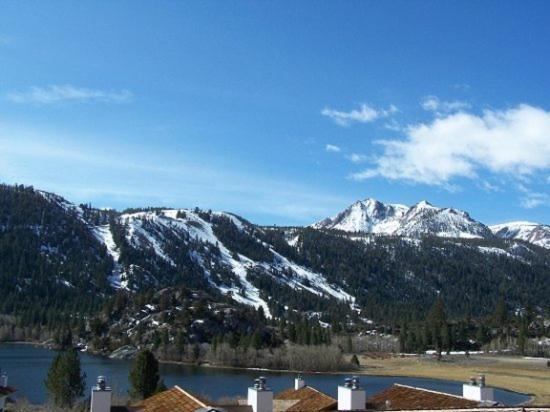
{"x": 372, "y": 262}
{"x": 424, "y": 219}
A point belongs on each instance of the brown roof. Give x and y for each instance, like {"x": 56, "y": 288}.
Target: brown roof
{"x": 398, "y": 397}
{"x": 179, "y": 400}
{"x": 171, "y": 400}
{"x": 303, "y": 399}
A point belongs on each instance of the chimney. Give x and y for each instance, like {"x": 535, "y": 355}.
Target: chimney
{"x": 101, "y": 396}
{"x": 3, "y": 379}
{"x": 260, "y": 397}
{"x": 481, "y": 380}
{"x": 350, "y": 396}
{"x": 475, "y": 390}
{"x": 299, "y": 382}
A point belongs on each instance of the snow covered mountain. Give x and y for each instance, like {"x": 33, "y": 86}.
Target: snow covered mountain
{"x": 63, "y": 249}
{"x": 372, "y": 216}
{"x": 206, "y": 241}
{"x": 535, "y": 233}
{"x": 368, "y": 215}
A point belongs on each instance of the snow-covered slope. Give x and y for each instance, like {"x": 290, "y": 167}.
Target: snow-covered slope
{"x": 157, "y": 232}
{"x": 372, "y": 216}
{"x": 118, "y": 279}
{"x": 535, "y": 233}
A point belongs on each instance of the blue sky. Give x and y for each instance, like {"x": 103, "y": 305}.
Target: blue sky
{"x": 283, "y": 112}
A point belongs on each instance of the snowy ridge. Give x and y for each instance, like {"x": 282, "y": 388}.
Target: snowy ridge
{"x": 62, "y": 203}
{"x": 150, "y": 229}
{"x": 535, "y": 233}
{"x": 369, "y": 216}
{"x": 372, "y": 216}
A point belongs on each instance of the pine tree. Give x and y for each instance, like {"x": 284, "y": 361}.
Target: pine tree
{"x": 65, "y": 380}
{"x": 144, "y": 376}
{"x": 446, "y": 338}
{"x": 436, "y": 323}
{"x": 481, "y": 335}
{"x": 500, "y": 317}
{"x": 403, "y": 338}
{"x": 522, "y": 337}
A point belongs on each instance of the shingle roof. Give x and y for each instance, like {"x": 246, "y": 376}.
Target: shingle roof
{"x": 303, "y": 399}
{"x": 171, "y": 400}
{"x": 398, "y": 397}
{"x": 179, "y": 400}
{"x": 227, "y": 408}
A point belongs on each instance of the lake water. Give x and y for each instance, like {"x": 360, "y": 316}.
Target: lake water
{"x": 27, "y": 367}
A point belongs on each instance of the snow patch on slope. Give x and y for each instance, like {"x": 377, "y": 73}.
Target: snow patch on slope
{"x": 191, "y": 224}
{"x": 118, "y": 279}
{"x": 535, "y": 233}
{"x": 321, "y": 286}
{"x": 149, "y": 229}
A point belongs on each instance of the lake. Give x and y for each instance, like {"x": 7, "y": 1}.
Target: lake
{"x": 27, "y": 366}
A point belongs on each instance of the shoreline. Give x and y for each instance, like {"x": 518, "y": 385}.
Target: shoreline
{"x": 360, "y": 372}
{"x": 381, "y": 367}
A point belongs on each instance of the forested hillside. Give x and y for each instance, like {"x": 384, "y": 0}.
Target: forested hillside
{"x": 176, "y": 279}
{"x": 51, "y": 265}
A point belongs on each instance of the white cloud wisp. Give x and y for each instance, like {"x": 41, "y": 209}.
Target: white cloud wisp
{"x": 332, "y": 148}
{"x": 67, "y": 93}
{"x": 433, "y": 104}
{"x": 365, "y": 114}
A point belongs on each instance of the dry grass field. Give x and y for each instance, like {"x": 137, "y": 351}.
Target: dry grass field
{"x": 530, "y": 376}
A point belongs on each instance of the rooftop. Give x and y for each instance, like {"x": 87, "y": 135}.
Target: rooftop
{"x": 402, "y": 397}
{"x": 174, "y": 399}
{"x": 178, "y": 400}
{"x": 303, "y": 399}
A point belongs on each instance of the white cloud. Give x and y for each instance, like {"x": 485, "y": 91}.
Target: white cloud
{"x": 365, "y": 114}
{"x": 332, "y": 148}
{"x": 357, "y": 158}
{"x": 532, "y": 200}
{"x": 68, "y": 93}
{"x": 488, "y": 186}
{"x": 514, "y": 142}
{"x": 433, "y": 104}
{"x": 393, "y": 125}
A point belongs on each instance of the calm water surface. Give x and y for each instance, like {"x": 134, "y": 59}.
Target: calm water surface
{"x": 27, "y": 367}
